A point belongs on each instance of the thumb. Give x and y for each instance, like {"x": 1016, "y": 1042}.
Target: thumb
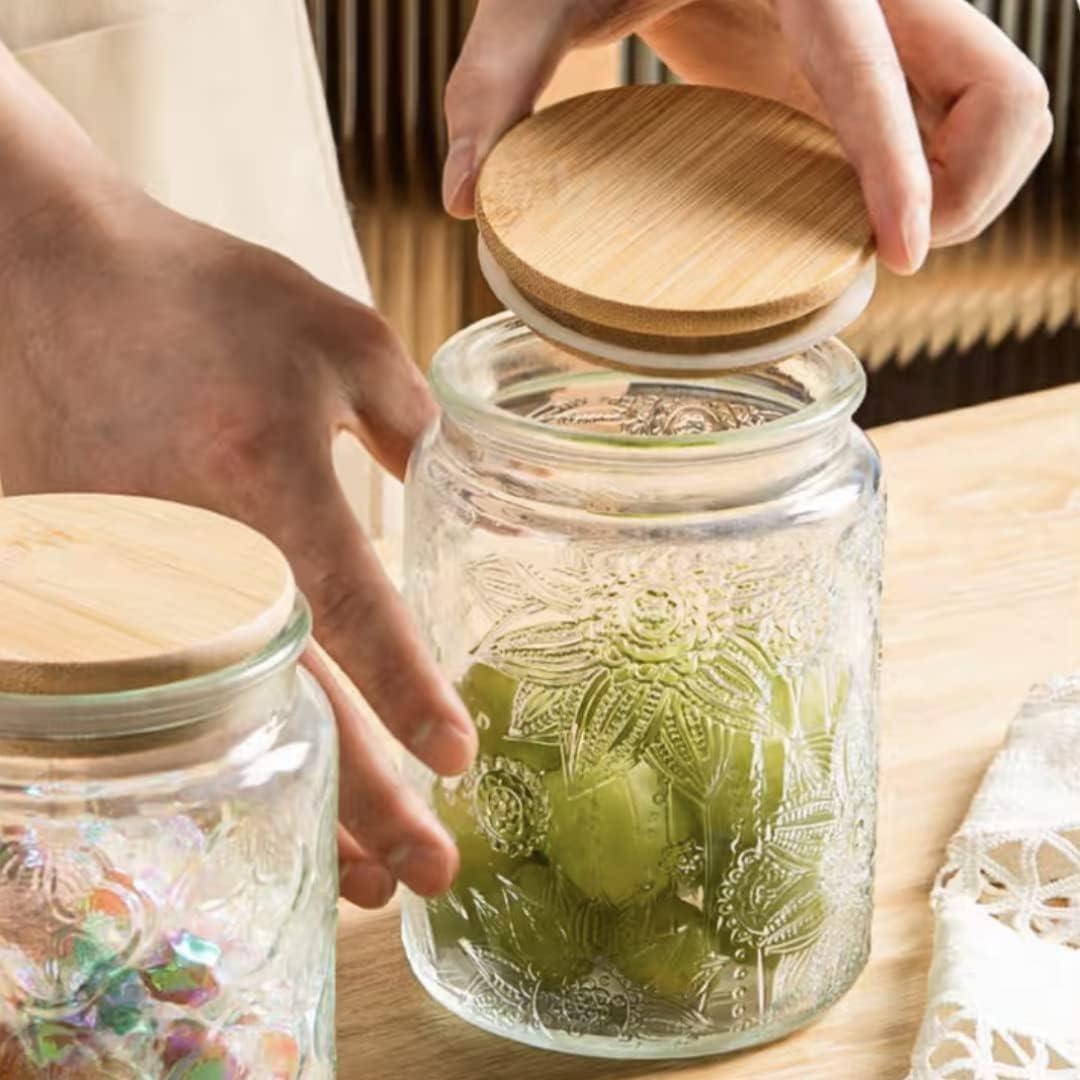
{"x": 509, "y": 56}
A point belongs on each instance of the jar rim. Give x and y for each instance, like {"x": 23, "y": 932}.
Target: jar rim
{"x": 152, "y": 709}
{"x": 460, "y": 354}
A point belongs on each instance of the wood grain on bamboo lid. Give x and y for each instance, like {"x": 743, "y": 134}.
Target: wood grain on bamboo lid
{"x": 108, "y": 592}
{"x": 680, "y": 211}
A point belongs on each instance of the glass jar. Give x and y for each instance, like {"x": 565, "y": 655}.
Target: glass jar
{"x": 659, "y": 599}
{"x": 168, "y": 877}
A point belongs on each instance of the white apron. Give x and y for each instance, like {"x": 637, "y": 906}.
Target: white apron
{"x": 216, "y": 108}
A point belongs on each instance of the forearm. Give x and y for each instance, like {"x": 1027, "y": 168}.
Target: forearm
{"x": 47, "y": 163}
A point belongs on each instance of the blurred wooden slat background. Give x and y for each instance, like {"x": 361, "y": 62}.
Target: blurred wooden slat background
{"x": 996, "y": 317}
{"x": 385, "y": 63}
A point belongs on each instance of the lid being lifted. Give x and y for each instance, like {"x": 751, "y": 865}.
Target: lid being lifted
{"x": 675, "y": 227}
{"x": 108, "y": 592}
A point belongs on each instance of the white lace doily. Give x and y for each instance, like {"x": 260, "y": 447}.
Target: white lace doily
{"x": 1004, "y": 996}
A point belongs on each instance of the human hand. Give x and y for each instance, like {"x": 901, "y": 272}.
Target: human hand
{"x": 942, "y": 116}
{"x": 144, "y": 353}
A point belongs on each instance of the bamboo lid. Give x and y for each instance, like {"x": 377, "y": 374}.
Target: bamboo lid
{"x": 676, "y": 219}
{"x": 108, "y": 592}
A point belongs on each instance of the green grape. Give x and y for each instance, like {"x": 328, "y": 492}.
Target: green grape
{"x": 532, "y": 916}
{"x": 488, "y": 694}
{"x": 757, "y": 775}
{"x": 611, "y": 840}
{"x": 664, "y": 946}
{"x": 450, "y": 920}
{"x": 480, "y": 864}
{"x": 479, "y": 877}
{"x": 745, "y": 801}
{"x": 818, "y": 711}
{"x": 769, "y": 822}
{"x": 817, "y": 716}
{"x": 535, "y": 925}
{"x": 538, "y": 884}
{"x": 480, "y": 868}
{"x": 506, "y": 903}
{"x": 603, "y": 870}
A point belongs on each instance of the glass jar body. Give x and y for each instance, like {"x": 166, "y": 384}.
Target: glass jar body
{"x": 667, "y": 840}
{"x": 168, "y": 904}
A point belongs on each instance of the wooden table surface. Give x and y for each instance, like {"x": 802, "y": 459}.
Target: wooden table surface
{"x": 982, "y": 600}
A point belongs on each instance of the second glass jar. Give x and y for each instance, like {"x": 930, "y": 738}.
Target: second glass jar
{"x": 659, "y": 600}
{"x": 168, "y": 877}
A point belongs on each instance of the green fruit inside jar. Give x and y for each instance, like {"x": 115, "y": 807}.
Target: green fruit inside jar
{"x": 696, "y": 852}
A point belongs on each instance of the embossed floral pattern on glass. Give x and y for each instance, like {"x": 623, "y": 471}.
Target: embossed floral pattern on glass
{"x": 667, "y": 839}
{"x": 672, "y": 812}
{"x": 174, "y": 926}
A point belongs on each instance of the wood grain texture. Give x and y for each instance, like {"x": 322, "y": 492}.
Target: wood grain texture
{"x": 982, "y": 599}
{"x": 676, "y": 210}
{"x": 108, "y": 592}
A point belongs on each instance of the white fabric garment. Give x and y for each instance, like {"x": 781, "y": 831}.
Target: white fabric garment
{"x": 216, "y": 108}
{"x": 1004, "y": 992}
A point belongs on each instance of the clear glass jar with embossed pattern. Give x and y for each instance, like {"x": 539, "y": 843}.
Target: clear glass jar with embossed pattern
{"x": 659, "y": 599}
{"x": 168, "y": 877}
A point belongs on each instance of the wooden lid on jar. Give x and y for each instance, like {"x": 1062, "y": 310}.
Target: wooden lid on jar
{"x": 681, "y": 219}
{"x": 109, "y": 592}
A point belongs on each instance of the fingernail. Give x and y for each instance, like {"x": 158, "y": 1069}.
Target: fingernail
{"x": 422, "y": 868}
{"x": 367, "y": 884}
{"x": 917, "y": 236}
{"x": 457, "y": 173}
{"x": 469, "y": 743}
{"x": 421, "y": 736}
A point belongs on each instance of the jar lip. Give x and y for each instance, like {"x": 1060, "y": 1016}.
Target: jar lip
{"x": 144, "y": 710}
{"x": 843, "y": 397}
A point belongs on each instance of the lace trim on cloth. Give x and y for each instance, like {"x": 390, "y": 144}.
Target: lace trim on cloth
{"x": 1004, "y": 994}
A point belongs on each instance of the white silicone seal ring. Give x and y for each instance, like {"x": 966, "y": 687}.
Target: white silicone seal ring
{"x": 826, "y": 322}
